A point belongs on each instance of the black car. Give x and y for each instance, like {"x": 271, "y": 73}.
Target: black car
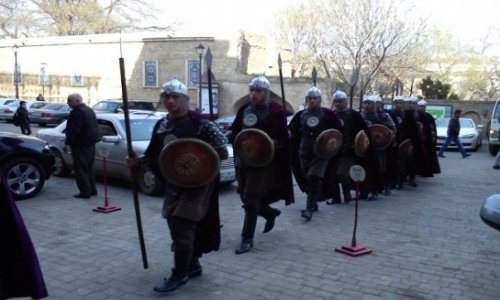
{"x": 25, "y": 162}
{"x": 116, "y": 106}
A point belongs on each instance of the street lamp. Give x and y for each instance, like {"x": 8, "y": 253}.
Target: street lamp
{"x": 16, "y": 75}
{"x": 199, "y": 50}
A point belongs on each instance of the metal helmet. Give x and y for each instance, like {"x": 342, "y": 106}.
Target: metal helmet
{"x": 313, "y": 92}
{"x": 370, "y": 98}
{"x": 398, "y": 99}
{"x": 339, "y": 95}
{"x": 174, "y": 86}
{"x": 422, "y": 103}
{"x": 411, "y": 99}
{"x": 260, "y": 82}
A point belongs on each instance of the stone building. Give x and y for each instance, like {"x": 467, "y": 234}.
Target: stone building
{"x": 89, "y": 65}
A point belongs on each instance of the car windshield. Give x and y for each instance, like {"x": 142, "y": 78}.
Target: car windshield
{"x": 141, "y": 129}
{"x": 106, "y": 106}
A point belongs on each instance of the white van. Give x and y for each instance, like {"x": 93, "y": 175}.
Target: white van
{"x": 493, "y": 140}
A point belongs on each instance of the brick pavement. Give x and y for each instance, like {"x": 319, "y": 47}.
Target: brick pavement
{"x": 428, "y": 243}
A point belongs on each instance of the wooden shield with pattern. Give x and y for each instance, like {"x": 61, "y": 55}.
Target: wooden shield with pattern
{"x": 406, "y": 149}
{"x": 254, "y": 147}
{"x": 327, "y": 143}
{"x": 361, "y": 143}
{"x": 380, "y": 136}
{"x": 189, "y": 162}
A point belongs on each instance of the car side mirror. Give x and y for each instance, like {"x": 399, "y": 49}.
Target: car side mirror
{"x": 480, "y": 126}
{"x": 114, "y": 139}
{"x": 490, "y": 211}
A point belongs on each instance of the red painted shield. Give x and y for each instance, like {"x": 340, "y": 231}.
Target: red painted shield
{"x": 254, "y": 147}
{"x": 189, "y": 162}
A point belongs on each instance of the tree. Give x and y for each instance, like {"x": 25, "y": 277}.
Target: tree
{"x": 353, "y": 41}
{"x": 434, "y": 89}
{"x": 73, "y": 17}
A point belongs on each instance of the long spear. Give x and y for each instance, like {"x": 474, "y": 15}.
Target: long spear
{"x": 280, "y": 64}
{"x": 133, "y": 171}
{"x": 208, "y": 62}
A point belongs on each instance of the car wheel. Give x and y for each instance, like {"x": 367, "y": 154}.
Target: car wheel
{"x": 61, "y": 169}
{"x": 25, "y": 177}
{"x": 149, "y": 182}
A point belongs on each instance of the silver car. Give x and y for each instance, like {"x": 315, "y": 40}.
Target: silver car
{"x": 114, "y": 144}
{"x": 7, "y": 111}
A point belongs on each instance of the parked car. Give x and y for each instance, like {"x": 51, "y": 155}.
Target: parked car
{"x": 26, "y": 162}
{"x": 114, "y": 138}
{"x": 493, "y": 129}
{"x": 470, "y": 134}
{"x": 225, "y": 122}
{"x": 50, "y": 114}
{"x": 5, "y": 101}
{"x": 8, "y": 111}
{"x": 116, "y": 106}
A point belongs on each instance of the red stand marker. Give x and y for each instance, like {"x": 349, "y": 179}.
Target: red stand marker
{"x": 107, "y": 208}
{"x": 354, "y": 249}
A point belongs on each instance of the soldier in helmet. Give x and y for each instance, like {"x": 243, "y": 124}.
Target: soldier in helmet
{"x": 192, "y": 212}
{"x": 305, "y": 127}
{"x": 372, "y": 115}
{"x": 259, "y": 186}
{"x": 430, "y": 137}
{"x": 339, "y": 166}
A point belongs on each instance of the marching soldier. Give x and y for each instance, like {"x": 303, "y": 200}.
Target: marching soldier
{"x": 270, "y": 179}
{"x": 309, "y": 167}
{"x": 352, "y": 124}
{"x": 380, "y": 138}
{"x": 192, "y": 213}
{"x": 430, "y": 138}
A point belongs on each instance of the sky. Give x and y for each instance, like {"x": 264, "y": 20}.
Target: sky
{"x": 468, "y": 21}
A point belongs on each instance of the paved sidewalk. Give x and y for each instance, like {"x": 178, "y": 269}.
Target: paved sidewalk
{"x": 428, "y": 243}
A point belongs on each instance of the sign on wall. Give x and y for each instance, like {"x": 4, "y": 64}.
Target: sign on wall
{"x": 43, "y": 78}
{"x": 193, "y": 74}
{"x": 17, "y": 76}
{"x": 77, "y": 79}
{"x": 150, "y": 73}
{"x": 205, "y": 101}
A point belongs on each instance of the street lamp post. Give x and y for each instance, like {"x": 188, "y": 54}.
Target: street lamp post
{"x": 199, "y": 50}
{"x": 16, "y": 75}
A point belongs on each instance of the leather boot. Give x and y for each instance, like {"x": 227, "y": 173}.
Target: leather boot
{"x": 179, "y": 275}
{"x": 306, "y": 214}
{"x": 270, "y": 214}
{"x": 245, "y": 246}
{"x": 195, "y": 269}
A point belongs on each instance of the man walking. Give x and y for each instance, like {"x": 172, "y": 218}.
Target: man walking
{"x": 453, "y": 132}
{"x": 82, "y": 133}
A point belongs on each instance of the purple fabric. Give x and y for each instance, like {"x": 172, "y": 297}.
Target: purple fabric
{"x": 20, "y": 273}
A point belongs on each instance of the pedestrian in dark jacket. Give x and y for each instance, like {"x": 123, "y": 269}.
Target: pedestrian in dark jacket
{"x": 21, "y": 118}
{"x": 453, "y": 132}
{"x": 82, "y": 133}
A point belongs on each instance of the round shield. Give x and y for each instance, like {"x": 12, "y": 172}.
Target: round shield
{"x": 189, "y": 162}
{"x": 254, "y": 147}
{"x": 327, "y": 143}
{"x": 380, "y": 136}
{"x": 406, "y": 149}
{"x": 361, "y": 143}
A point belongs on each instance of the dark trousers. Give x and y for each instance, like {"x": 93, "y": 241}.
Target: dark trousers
{"x": 83, "y": 165}
{"x": 25, "y": 128}
{"x": 183, "y": 234}
{"x": 253, "y": 209}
